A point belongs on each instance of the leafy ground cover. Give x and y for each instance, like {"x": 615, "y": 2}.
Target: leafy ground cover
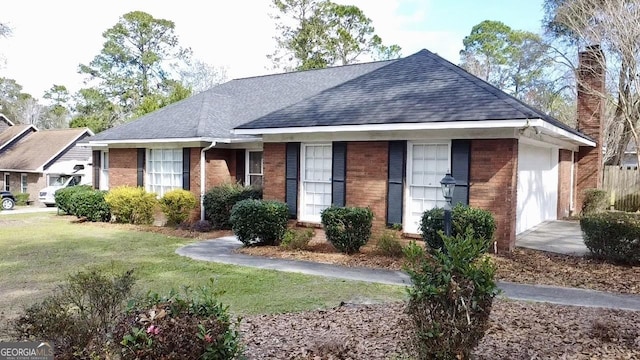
{"x": 521, "y": 266}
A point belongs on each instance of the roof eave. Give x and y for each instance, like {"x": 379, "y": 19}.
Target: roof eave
{"x": 444, "y": 125}
{"x": 106, "y": 143}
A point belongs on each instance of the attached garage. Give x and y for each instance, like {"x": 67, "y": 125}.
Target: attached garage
{"x": 537, "y": 192}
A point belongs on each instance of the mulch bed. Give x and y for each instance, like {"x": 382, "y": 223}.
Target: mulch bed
{"x": 518, "y": 330}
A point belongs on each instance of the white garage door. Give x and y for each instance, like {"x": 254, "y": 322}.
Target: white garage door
{"x": 537, "y": 186}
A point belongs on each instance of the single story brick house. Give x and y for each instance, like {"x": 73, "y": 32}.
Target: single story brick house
{"x": 29, "y": 157}
{"x": 379, "y": 134}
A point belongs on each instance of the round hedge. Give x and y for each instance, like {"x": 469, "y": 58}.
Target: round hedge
{"x": 613, "y": 236}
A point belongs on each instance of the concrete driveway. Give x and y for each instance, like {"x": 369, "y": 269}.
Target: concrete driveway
{"x": 559, "y": 236}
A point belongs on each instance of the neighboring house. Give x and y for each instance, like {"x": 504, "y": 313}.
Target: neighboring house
{"x": 630, "y": 158}
{"x": 380, "y": 135}
{"x": 28, "y": 157}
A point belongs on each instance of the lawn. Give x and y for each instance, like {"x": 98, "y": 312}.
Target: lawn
{"x": 40, "y": 250}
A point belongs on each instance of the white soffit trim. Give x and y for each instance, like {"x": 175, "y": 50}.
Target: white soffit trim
{"x": 485, "y": 124}
{"x": 105, "y": 143}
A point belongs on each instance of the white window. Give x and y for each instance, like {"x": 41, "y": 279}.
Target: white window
{"x": 7, "y": 182}
{"x": 53, "y": 179}
{"x": 254, "y": 168}
{"x": 164, "y": 170}
{"x": 23, "y": 183}
{"x": 104, "y": 171}
{"x": 316, "y": 180}
{"x": 427, "y": 164}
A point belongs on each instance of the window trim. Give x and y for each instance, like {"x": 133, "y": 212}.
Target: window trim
{"x": 247, "y": 166}
{"x": 104, "y": 170}
{"x": 406, "y": 211}
{"x": 148, "y": 172}
{"x": 302, "y": 180}
{"x": 24, "y": 183}
{"x": 7, "y": 182}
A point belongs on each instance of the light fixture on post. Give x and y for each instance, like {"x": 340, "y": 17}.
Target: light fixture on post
{"x": 448, "y": 184}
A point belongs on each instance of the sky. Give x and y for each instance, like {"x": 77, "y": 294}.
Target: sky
{"x": 51, "y": 38}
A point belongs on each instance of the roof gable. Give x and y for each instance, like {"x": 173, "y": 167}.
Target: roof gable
{"x": 33, "y": 152}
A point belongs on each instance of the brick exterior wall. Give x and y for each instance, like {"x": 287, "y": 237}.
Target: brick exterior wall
{"x": 493, "y": 186}
{"x": 274, "y": 167}
{"x": 220, "y": 167}
{"x": 123, "y": 167}
{"x": 35, "y": 183}
{"x": 564, "y": 183}
{"x": 591, "y": 86}
{"x": 367, "y": 168}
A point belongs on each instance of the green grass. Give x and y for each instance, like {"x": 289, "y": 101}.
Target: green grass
{"x": 38, "y": 251}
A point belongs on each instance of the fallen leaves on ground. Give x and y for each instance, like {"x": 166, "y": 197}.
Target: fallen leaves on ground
{"x": 518, "y": 330}
{"x": 524, "y": 266}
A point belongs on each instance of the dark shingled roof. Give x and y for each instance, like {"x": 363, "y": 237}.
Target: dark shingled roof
{"x": 419, "y": 88}
{"x": 215, "y": 112}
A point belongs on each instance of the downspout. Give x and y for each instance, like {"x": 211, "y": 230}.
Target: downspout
{"x": 203, "y": 177}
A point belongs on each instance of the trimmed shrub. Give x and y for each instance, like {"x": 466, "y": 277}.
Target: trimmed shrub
{"x": 450, "y": 298}
{"x": 180, "y": 326}
{"x": 389, "y": 244}
{"x": 297, "y": 239}
{"x": 462, "y": 217}
{"x": 347, "y": 228}
{"x": 22, "y": 199}
{"x": 131, "y": 205}
{"x": 595, "y": 200}
{"x": 259, "y": 222}
{"x": 219, "y": 201}
{"x": 90, "y": 204}
{"x": 80, "y": 316}
{"x": 177, "y": 205}
{"x": 63, "y": 197}
{"x": 613, "y": 236}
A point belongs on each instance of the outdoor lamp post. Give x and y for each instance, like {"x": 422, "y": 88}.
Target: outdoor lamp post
{"x": 448, "y": 184}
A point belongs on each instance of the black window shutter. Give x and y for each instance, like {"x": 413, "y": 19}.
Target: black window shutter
{"x": 240, "y": 166}
{"x": 396, "y": 176}
{"x": 141, "y": 155}
{"x": 186, "y": 168}
{"x": 460, "y": 162}
{"x": 96, "y": 169}
{"x": 339, "y": 173}
{"x": 291, "y": 177}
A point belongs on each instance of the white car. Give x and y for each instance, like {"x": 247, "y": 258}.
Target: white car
{"x": 47, "y": 195}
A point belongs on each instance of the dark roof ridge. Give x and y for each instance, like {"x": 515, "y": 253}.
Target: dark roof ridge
{"x": 317, "y": 69}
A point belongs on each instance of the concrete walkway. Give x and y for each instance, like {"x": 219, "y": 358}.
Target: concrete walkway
{"x": 222, "y": 251}
{"x": 558, "y": 236}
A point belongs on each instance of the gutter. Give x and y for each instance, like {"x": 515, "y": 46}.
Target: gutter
{"x": 203, "y": 177}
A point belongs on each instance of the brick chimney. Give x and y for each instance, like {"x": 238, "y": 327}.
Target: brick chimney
{"x": 591, "y": 90}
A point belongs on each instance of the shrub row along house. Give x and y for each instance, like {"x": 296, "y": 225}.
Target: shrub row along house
{"x": 31, "y": 159}
{"x": 378, "y": 135}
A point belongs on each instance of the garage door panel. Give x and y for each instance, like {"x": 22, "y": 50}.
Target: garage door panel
{"x": 537, "y": 196}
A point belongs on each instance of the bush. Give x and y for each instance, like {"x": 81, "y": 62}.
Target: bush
{"x": 462, "y": 217}
{"x": 297, "y": 239}
{"x": 22, "y": 199}
{"x": 389, "y": 244}
{"x": 90, "y": 204}
{"x": 188, "y": 326}
{"x": 63, "y": 197}
{"x": 451, "y": 297}
{"x": 259, "y": 222}
{"x": 201, "y": 226}
{"x": 177, "y": 205}
{"x": 347, "y": 228}
{"x": 595, "y": 200}
{"x": 79, "y": 316}
{"x": 613, "y": 236}
{"x": 219, "y": 201}
{"x": 131, "y": 205}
